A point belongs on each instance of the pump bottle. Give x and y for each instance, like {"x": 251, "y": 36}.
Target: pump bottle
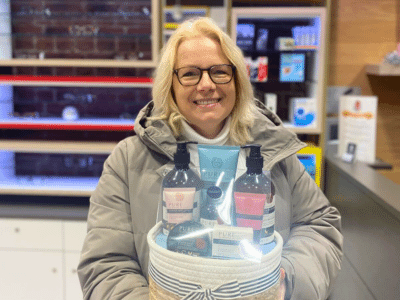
{"x": 254, "y": 202}
{"x": 180, "y": 191}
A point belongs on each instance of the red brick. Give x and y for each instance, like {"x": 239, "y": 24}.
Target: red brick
{"x": 45, "y": 44}
{"x": 24, "y": 71}
{"x": 65, "y": 71}
{"x": 85, "y": 44}
{"x": 127, "y": 72}
{"x": 106, "y": 44}
{"x": 111, "y": 30}
{"x": 26, "y": 28}
{"x": 44, "y": 71}
{"x": 145, "y": 73}
{"x": 24, "y": 94}
{"x": 127, "y": 44}
{"x": 64, "y": 44}
{"x": 100, "y": 8}
{"x": 57, "y": 30}
{"x": 106, "y": 72}
{"x": 85, "y": 71}
{"x": 100, "y": 56}
{"x": 63, "y": 8}
{"x": 23, "y": 43}
{"x": 139, "y": 29}
{"x": 45, "y": 94}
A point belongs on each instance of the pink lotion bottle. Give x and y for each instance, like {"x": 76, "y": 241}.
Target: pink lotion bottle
{"x": 251, "y": 193}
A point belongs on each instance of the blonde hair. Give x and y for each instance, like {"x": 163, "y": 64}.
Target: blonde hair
{"x": 242, "y": 115}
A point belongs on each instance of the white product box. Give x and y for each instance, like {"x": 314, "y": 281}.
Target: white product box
{"x": 303, "y": 112}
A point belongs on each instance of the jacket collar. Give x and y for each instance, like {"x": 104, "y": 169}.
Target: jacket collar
{"x": 276, "y": 141}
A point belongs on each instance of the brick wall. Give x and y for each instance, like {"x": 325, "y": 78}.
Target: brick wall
{"x": 81, "y": 29}
{"x": 48, "y": 164}
{"x": 91, "y": 102}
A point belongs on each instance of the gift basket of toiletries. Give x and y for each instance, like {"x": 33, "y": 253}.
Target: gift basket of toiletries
{"x": 215, "y": 235}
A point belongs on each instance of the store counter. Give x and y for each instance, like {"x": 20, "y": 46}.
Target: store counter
{"x": 370, "y": 207}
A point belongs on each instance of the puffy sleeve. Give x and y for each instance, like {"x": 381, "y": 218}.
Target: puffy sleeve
{"x": 312, "y": 255}
{"x": 109, "y": 267}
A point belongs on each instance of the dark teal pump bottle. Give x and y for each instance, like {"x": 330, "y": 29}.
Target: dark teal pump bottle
{"x": 180, "y": 181}
{"x": 254, "y": 206}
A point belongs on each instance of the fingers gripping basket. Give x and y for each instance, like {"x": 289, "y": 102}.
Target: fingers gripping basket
{"x": 178, "y": 276}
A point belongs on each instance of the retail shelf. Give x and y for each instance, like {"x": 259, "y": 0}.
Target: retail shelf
{"x": 48, "y": 186}
{"x": 302, "y": 130}
{"x": 57, "y": 146}
{"x": 91, "y": 63}
{"x": 99, "y": 81}
{"x": 383, "y": 70}
{"x": 22, "y": 123}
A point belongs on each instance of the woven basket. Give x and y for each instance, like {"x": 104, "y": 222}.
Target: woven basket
{"x": 174, "y": 276}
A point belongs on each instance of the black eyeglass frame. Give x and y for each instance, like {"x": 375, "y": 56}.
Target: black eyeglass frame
{"x": 208, "y": 71}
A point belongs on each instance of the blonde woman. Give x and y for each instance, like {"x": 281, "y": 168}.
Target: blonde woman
{"x": 202, "y": 93}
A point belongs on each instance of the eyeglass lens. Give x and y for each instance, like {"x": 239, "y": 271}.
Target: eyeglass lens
{"x": 192, "y": 75}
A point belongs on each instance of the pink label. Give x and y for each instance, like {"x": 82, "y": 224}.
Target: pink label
{"x": 255, "y": 224}
{"x": 250, "y": 204}
{"x": 249, "y": 209}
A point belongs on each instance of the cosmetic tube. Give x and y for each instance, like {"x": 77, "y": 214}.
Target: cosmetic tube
{"x": 218, "y": 168}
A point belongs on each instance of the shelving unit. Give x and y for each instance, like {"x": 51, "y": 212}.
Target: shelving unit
{"x": 383, "y": 70}
{"x": 48, "y": 35}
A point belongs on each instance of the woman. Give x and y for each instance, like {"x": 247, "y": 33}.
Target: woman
{"x": 201, "y": 92}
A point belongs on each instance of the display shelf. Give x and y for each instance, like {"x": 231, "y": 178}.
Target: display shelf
{"x": 383, "y": 70}
{"x": 64, "y": 62}
{"x": 57, "y": 146}
{"x": 61, "y": 124}
{"x": 93, "y": 81}
{"x": 48, "y": 186}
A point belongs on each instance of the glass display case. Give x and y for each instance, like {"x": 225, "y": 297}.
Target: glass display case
{"x": 109, "y": 34}
{"x": 285, "y": 55}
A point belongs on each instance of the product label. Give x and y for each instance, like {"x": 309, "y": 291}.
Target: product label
{"x": 249, "y": 209}
{"x": 208, "y": 223}
{"x": 268, "y": 222}
{"x": 178, "y": 204}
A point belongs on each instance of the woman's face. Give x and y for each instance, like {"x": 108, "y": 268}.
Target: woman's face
{"x": 205, "y": 105}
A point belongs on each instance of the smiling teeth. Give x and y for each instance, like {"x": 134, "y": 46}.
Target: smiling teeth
{"x": 206, "y": 102}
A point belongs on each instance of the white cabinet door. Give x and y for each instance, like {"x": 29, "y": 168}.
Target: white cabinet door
{"x": 72, "y": 286}
{"x": 74, "y": 233}
{"x": 31, "y": 234}
{"x": 32, "y": 275}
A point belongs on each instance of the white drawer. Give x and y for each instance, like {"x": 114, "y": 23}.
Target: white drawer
{"x": 31, "y": 234}
{"x": 74, "y": 233}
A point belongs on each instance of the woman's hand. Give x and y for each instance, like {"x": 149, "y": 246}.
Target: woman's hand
{"x": 282, "y": 287}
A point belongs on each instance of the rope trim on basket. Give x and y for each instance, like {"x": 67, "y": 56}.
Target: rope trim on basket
{"x": 230, "y": 290}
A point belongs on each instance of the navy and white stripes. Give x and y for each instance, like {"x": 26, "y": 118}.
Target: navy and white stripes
{"x": 230, "y": 290}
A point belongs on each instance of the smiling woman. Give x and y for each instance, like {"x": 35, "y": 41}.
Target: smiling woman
{"x": 202, "y": 93}
{"x": 214, "y": 88}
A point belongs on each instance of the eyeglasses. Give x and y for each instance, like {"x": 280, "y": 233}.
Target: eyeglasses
{"x": 219, "y": 74}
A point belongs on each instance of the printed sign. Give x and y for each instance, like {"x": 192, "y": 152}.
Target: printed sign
{"x": 357, "y": 126}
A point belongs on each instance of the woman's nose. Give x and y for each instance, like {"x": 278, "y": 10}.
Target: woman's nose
{"x": 205, "y": 83}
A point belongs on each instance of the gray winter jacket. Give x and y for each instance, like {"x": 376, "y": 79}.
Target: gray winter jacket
{"x": 123, "y": 208}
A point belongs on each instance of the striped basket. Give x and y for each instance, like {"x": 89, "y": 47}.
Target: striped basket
{"x": 174, "y": 276}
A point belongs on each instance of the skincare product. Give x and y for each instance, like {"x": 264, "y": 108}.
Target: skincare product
{"x": 218, "y": 168}
{"x": 250, "y": 194}
{"x": 303, "y": 112}
{"x": 226, "y": 242}
{"x": 190, "y": 238}
{"x": 209, "y": 215}
{"x": 180, "y": 191}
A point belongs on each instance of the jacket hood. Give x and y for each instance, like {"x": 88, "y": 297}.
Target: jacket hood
{"x": 276, "y": 141}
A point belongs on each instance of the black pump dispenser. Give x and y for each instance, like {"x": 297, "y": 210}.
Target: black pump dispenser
{"x": 254, "y": 162}
{"x": 182, "y": 156}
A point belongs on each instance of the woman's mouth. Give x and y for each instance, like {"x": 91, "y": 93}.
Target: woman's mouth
{"x": 207, "y": 101}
